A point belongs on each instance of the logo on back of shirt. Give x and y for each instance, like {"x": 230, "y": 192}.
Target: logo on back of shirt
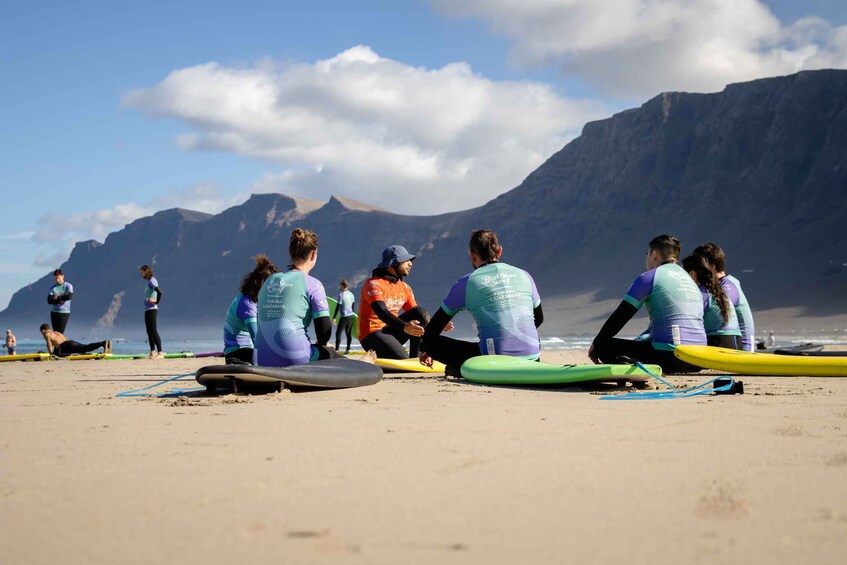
{"x": 394, "y": 303}
{"x": 499, "y": 279}
{"x": 276, "y": 286}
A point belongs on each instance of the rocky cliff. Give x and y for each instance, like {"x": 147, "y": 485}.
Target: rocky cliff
{"x": 760, "y": 168}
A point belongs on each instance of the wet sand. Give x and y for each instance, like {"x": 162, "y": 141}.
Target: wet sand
{"x": 416, "y": 470}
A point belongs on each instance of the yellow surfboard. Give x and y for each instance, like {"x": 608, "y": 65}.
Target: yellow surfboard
{"x": 26, "y": 357}
{"x": 747, "y": 363}
{"x": 84, "y": 357}
{"x": 409, "y": 366}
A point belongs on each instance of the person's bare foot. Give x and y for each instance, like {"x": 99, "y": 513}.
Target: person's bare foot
{"x": 369, "y": 356}
{"x": 160, "y": 355}
{"x": 152, "y": 355}
{"x": 107, "y": 349}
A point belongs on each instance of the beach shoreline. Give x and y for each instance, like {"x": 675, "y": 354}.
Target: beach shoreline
{"x": 416, "y": 468}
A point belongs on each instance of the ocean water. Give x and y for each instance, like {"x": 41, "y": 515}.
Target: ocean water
{"x": 567, "y": 343}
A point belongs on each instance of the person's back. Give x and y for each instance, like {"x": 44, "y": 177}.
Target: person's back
{"x": 674, "y": 304}
{"x": 346, "y": 299}
{"x": 713, "y": 320}
{"x": 241, "y": 312}
{"x": 287, "y": 304}
{"x": 501, "y": 299}
{"x": 732, "y": 287}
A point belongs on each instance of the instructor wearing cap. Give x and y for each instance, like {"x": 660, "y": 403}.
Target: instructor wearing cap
{"x": 382, "y": 327}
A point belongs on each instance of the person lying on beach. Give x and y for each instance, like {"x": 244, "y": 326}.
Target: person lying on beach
{"x": 675, "y": 306}
{"x": 288, "y": 303}
{"x": 240, "y": 325}
{"x": 59, "y": 345}
{"x": 503, "y": 301}
{"x": 716, "y": 258}
{"x": 382, "y": 327}
{"x": 719, "y": 319}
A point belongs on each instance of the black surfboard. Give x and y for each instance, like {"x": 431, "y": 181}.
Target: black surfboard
{"x": 332, "y": 373}
{"x": 810, "y": 353}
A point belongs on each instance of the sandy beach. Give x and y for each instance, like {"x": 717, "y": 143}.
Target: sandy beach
{"x": 416, "y": 470}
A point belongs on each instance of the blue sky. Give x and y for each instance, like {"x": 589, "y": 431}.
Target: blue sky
{"x": 112, "y": 112}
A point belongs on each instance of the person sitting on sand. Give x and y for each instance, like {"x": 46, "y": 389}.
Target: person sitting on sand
{"x": 240, "y": 323}
{"x": 11, "y": 343}
{"x": 675, "y": 306}
{"x": 382, "y": 327}
{"x": 504, "y": 302}
{"x": 288, "y": 303}
{"x": 719, "y": 319}
{"x": 60, "y": 346}
{"x": 716, "y": 258}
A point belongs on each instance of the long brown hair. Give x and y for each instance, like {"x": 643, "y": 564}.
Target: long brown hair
{"x": 252, "y": 283}
{"x": 301, "y": 245}
{"x": 710, "y": 282}
{"x": 146, "y": 271}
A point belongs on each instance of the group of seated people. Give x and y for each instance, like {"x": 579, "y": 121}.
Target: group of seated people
{"x": 267, "y": 323}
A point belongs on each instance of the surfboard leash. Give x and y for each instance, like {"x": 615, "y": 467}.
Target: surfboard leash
{"x": 698, "y": 390}
{"x": 139, "y": 392}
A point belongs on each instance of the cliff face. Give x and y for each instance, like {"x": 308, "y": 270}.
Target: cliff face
{"x": 760, "y": 168}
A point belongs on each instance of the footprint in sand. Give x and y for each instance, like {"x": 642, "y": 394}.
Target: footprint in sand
{"x": 788, "y": 431}
{"x": 721, "y": 502}
{"x": 837, "y": 460}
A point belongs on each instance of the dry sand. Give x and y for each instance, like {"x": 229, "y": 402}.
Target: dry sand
{"x": 415, "y": 470}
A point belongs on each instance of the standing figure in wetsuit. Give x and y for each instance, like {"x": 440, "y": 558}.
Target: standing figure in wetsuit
{"x": 346, "y": 305}
{"x": 382, "y": 327}
{"x": 59, "y": 345}
{"x": 675, "y": 306}
{"x": 240, "y": 325}
{"x": 504, "y": 303}
{"x": 719, "y": 319}
{"x": 59, "y": 297}
{"x": 288, "y": 303}
{"x": 152, "y": 298}
{"x": 716, "y": 258}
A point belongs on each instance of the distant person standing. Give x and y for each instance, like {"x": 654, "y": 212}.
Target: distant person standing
{"x": 11, "y": 343}
{"x": 716, "y": 258}
{"x": 346, "y": 306}
{"x": 152, "y": 298}
{"x": 240, "y": 325}
{"x": 60, "y": 297}
{"x": 771, "y": 341}
{"x": 382, "y": 327}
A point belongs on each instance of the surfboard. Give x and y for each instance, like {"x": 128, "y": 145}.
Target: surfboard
{"x": 210, "y": 354}
{"x": 26, "y": 357}
{"x": 409, "y": 366}
{"x": 813, "y": 353}
{"x": 747, "y": 363}
{"x": 83, "y": 356}
{"x": 505, "y": 370}
{"x": 328, "y": 374}
{"x": 355, "y": 329}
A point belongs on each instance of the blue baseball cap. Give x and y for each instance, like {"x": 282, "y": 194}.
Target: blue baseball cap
{"x": 394, "y": 255}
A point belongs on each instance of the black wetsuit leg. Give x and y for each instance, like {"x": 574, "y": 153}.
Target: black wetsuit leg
{"x": 452, "y": 352}
{"x": 610, "y": 351}
{"x": 385, "y": 345}
{"x": 59, "y": 321}
{"x": 71, "y": 347}
{"x": 345, "y": 325}
{"x": 728, "y": 341}
{"x": 150, "y": 318}
{"x": 244, "y": 354}
{"x": 326, "y": 352}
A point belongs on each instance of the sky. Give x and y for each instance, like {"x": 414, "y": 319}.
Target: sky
{"x": 112, "y": 112}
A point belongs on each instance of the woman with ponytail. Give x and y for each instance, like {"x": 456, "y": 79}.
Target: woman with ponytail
{"x": 240, "y": 323}
{"x": 288, "y": 303}
{"x": 719, "y": 318}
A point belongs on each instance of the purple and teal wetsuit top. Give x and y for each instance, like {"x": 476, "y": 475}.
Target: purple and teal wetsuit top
{"x": 58, "y": 291}
{"x": 288, "y": 302}
{"x": 345, "y": 303}
{"x": 674, "y": 303}
{"x": 713, "y": 321}
{"x": 732, "y": 288}
{"x": 240, "y": 324}
{"x": 501, "y": 299}
{"x": 150, "y": 292}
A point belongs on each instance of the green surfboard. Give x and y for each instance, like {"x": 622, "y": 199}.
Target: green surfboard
{"x": 505, "y": 370}
{"x": 332, "y": 304}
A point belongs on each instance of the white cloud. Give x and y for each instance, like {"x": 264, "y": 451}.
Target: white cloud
{"x": 637, "y": 48}
{"x": 409, "y": 139}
